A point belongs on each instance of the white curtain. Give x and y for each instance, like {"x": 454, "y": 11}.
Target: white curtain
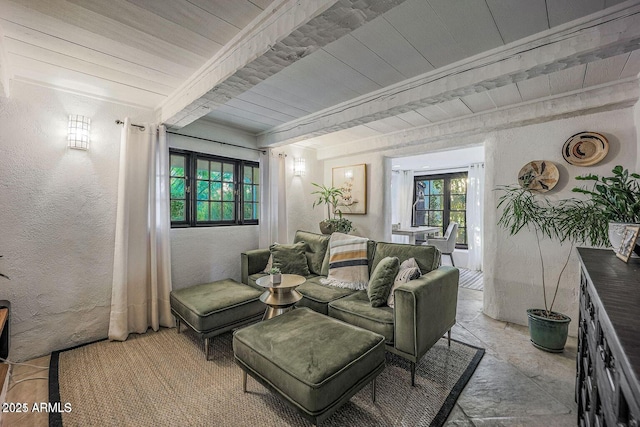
{"x": 475, "y": 210}
{"x": 402, "y": 186}
{"x": 273, "y": 209}
{"x": 142, "y": 258}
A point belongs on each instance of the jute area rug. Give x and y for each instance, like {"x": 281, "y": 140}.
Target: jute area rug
{"x": 161, "y": 379}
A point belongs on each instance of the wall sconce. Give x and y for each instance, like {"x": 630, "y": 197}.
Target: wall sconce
{"x": 299, "y": 166}
{"x": 79, "y": 132}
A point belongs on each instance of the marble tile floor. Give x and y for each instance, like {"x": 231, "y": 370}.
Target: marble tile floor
{"x": 514, "y": 385}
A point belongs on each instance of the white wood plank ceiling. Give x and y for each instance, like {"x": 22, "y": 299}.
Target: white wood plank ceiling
{"x": 143, "y": 51}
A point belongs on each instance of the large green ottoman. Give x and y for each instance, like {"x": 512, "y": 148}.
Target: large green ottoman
{"x": 312, "y": 361}
{"x": 214, "y": 308}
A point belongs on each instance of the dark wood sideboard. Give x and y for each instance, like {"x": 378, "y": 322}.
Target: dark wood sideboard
{"x": 608, "y": 360}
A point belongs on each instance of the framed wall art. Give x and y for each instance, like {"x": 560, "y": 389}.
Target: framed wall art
{"x": 352, "y": 180}
{"x": 628, "y": 244}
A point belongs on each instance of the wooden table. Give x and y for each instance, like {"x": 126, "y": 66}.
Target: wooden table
{"x": 413, "y": 231}
{"x": 280, "y": 297}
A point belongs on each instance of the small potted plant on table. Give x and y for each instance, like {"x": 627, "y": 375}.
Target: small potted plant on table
{"x": 614, "y": 202}
{"x": 275, "y": 275}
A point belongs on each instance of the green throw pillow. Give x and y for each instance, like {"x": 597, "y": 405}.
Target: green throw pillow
{"x": 290, "y": 259}
{"x": 381, "y": 281}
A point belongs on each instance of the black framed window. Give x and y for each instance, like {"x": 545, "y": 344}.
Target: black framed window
{"x": 219, "y": 191}
{"x": 445, "y": 201}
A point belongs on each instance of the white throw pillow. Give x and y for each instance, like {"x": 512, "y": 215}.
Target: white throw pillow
{"x": 409, "y": 270}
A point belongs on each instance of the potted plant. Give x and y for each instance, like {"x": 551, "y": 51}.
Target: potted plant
{"x": 614, "y": 202}
{"x": 330, "y": 196}
{"x": 562, "y": 220}
{"x": 275, "y": 275}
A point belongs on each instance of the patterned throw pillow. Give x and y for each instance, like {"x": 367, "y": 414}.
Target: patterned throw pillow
{"x": 409, "y": 270}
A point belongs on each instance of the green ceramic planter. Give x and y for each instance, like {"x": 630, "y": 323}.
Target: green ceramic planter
{"x": 548, "y": 334}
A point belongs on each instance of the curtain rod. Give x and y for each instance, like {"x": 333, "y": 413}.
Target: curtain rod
{"x": 120, "y": 122}
{"x": 219, "y": 142}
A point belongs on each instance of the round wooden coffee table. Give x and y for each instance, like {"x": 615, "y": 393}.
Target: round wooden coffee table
{"x": 280, "y": 297}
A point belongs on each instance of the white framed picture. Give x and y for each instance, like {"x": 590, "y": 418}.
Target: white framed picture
{"x": 628, "y": 244}
{"x": 352, "y": 180}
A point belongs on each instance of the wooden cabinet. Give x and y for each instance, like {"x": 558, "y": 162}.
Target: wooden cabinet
{"x": 608, "y": 359}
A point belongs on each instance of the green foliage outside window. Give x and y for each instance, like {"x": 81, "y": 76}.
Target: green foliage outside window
{"x": 445, "y": 201}
{"x": 223, "y": 191}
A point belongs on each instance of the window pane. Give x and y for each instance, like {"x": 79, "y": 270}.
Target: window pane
{"x": 435, "y": 218}
{"x": 437, "y": 186}
{"x": 216, "y": 211}
{"x": 203, "y": 190}
{"x": 216, "y": 171}
{"x": 248, "y": 194}
{"x": 177, "y": 210}
{"x": 177, "y": 188}
{"x": 248, "y": 211}
{"x": 203, "y": 169}
{"x": 459, "y": 186}
{"x": 227, "y": 172}
{"x": 216, "y": 191}
{"x": 257, "y": 210}
{"x": 458, "y": 217}
{"x": 203, "y": 211}
{"x": 256, "y": 192}
{"x": 462, "y": 236}
{"x": 177, "y": 165}
{"x": 228, "y": 211}
{"x": 435, "y": 202}
{"x": 248, "y": 174}
{"x": 227, "y": 191}
{"x": 458, "y": 202}
{"x": 256, "y": 175}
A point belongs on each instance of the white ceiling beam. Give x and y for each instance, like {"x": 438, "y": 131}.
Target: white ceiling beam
{"x": 601, "y": 98}
{"x": 609, "y": 33}
{"x": 5, "y": 74}
{"x": 285, "y": 32}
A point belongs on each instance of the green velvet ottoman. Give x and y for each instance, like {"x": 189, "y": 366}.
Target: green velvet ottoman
{"x": 314, "y": 362}
{"x": 214, "y": 308}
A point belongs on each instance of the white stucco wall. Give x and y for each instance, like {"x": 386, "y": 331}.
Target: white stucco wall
{"x": 512, "y": 270}
{"x": 300, "y": 215}
{"x": 512, "y": 267}
{"x": 205, "y": 254}
{"x": 636, "y": 118}
{"x": 57, "y": 217}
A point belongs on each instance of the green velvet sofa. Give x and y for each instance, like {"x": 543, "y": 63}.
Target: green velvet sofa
{"x": 425, "y": 308}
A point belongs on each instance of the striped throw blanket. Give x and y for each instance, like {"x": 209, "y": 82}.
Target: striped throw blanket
{"x": 348, "y": 262}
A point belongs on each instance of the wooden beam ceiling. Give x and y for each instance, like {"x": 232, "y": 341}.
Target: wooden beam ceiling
{"x": 599, "y": 36}
{"x": 284, "y": 33}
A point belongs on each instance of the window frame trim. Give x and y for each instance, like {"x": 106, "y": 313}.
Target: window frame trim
{"x": 446, "y": 200}
{"x": 191, "y": 165}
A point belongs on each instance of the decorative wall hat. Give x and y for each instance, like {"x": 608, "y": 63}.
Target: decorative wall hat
{"x": 585, "y": 149}
{"x": 538, "y": 175}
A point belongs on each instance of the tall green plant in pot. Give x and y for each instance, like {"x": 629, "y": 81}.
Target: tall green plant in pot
{"x": 330, "y": 196}
{"x": 613, "y": 202}
{"x": 559, "y": 221}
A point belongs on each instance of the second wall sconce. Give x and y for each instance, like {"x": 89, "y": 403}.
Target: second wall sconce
{"x": 299, "y": 166}
{"x": 79, "y": 132}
